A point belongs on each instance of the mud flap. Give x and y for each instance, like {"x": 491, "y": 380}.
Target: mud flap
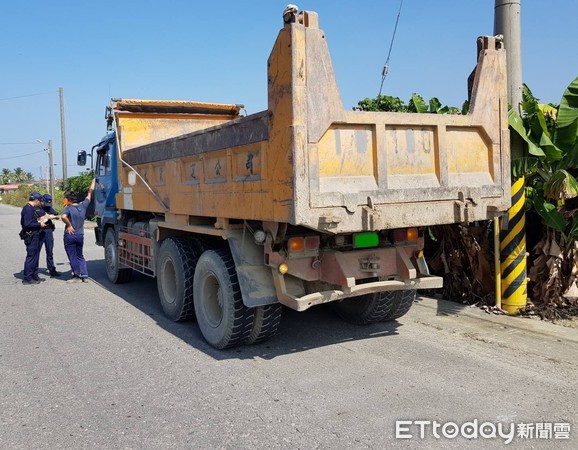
{"x": 255, "y": 279}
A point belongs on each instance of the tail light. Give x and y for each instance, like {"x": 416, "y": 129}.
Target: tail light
{"x": 296, "y": 245}
{"x": 405, "y": 235}
{"x": 303, "y": 246}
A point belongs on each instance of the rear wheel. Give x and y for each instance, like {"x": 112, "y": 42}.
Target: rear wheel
{"x": 175, "y": 271}
{"x": 223, "y": 319}
{"x": 114, "y": 272}
{"x": 378, "y": 307}
{"x": 266, "y": 322}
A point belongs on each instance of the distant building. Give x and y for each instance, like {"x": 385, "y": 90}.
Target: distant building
{"x": 12, "y": 187}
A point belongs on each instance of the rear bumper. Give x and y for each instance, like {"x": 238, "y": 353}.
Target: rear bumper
{"x": 316, "y": 298}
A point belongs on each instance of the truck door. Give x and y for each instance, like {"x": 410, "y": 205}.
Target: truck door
{"x": 106, "y": 183}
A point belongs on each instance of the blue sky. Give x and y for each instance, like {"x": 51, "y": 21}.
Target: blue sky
{"x": 217, "y": 52}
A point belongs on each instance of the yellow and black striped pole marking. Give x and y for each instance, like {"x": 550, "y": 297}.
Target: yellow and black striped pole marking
{"x": 513, "y": 253}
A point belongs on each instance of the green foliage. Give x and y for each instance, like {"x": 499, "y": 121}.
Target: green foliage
{"x": 382, "y": 103}
{"x": 416, "y": 104}
{"x": 550, "y": 163}
{"x": 20, "y": 196}
{"x": 516, "y": 122}
{"x": 79, "y": 184}
{"x": 15, "y": 176}
{"x": 561, "y": 185}
{"x": 435, "y": 105}
{"x": 550, "y": 214}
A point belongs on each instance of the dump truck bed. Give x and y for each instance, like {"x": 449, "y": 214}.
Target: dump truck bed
{"x": 307, "y": 161}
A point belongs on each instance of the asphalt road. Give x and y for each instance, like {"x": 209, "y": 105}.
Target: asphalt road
{"x": 98, "y": 366}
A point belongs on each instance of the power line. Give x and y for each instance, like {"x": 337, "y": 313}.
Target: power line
{"x": 24, "y": 96}
{"x": 20, "y": 156}
{"x": 386, "y": 65}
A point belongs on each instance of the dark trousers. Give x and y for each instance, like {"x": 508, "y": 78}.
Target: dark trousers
{"x": 32, "y": 257}
{"x": 48, "y": 242}
{"x": 73, "y": 244}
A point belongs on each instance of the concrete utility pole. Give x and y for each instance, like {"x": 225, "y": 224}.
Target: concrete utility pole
{"x": 50, "y": 168}
{"x": 507, "y": 23}
{"x": 63, "y": 134}
{"x": 513, "y": 268}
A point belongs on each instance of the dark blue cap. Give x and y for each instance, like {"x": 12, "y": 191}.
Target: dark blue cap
{"x": 35, "y": 196}
{"x": 47, "y": 200}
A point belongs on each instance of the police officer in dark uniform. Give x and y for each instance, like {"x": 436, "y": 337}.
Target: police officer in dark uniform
{"x": 29, "y": 220}
{"x": 48, "y": 241}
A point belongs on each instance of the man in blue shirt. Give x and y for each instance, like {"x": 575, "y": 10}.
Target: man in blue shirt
{"x": 73, "y": 217}
{"x": 48, "y": 240}
{"x": 34, "y": 228}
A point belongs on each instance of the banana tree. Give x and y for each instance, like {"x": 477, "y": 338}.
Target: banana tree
{"x": 550, "y": 166}
{"x": 551, "y": 162}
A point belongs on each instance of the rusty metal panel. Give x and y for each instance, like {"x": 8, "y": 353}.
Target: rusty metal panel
{"x": 233, "y": 133}
{"x": 176, "y": 106}
{"x": 372, "y": 171}
{"x": 137, "y": 130}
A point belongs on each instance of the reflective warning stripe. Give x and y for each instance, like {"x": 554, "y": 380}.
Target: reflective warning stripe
{"x": 513, "y": 252}
{"x": 507, "y": 269}
{"x": 514, "y": 275}
{"x": 517, "y": 217}
{"x": 519, "y": 293}
{"x": 516, "y": 237}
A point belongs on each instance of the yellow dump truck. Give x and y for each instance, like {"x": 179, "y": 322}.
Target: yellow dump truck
{"x": 302, "y": 204}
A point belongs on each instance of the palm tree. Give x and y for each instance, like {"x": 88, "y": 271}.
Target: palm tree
{"x": 19, "y": 174}
{"x": 6, "y": 176}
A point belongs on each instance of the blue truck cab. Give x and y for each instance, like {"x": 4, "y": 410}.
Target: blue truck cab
{"x": 106, "y": 185}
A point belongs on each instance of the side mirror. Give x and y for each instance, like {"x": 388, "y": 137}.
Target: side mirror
{"x": 81, "y": 158}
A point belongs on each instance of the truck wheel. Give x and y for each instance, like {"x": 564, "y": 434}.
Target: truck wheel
{"x": 401, "y": 304}
{"x": 378, "y": 307}
{"x": 113, "y": 271}
{"x": 265, "y": 323}
{"x": 175, "y": 270}
{"x": 223, "y": 319}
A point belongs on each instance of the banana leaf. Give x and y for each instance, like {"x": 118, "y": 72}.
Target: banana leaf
{"x": 573, "y": 234}
{"x": 568, "y": 111}
{"x": 561, "y": 185}
{"x": 517, "y": 124}
{"x": 418, "y": 103}
{"x": 549, "y": 111}
{"x": 537, "y": 121}
{"x": 550, "y": 214}
{"x": 572, "y": 157}
{"x": 552, "y": 152}
{"x": 523, "y": 166}
{"x": 435, "y": 105}
{"x": 566, "y": 136}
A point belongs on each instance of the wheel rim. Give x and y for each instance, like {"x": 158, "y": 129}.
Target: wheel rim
{"x": 212, "y": 300}
{"x": 169, "y": 281}
{"x": 110, "y": 254}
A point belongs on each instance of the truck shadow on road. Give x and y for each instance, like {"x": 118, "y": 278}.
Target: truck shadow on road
{"x": 445, "y": 306}
{"x": 299, "y": 331}
{"x": 450, "y": 307}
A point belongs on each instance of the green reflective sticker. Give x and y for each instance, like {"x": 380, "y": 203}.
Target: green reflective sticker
{"x": 365, "y": 240}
